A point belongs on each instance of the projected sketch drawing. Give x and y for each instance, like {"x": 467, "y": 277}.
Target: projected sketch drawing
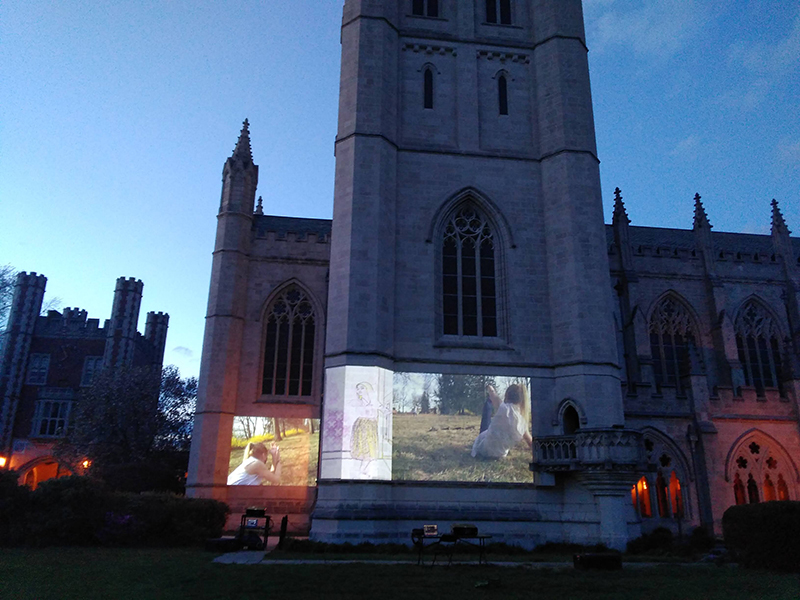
{"x": 364, "y": 440}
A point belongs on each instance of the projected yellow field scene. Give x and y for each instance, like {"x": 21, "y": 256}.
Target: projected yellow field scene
{"x": 274, "y": 451}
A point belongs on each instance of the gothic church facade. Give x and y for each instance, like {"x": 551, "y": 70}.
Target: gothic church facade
{"x": 468, "y": 238}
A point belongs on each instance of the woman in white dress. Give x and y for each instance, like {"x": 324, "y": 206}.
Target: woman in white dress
{"x": 254, "y": 469}
{"x": 509, "y": 425}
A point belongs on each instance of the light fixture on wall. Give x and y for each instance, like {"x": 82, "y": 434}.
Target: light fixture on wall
{"x": 3, "y": 462}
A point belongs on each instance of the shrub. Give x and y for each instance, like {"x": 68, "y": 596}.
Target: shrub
{"x": 68, "y": 510}
{"x": 701, "y": 540}
{"x": 163, "y": 473}
{"x": 14, "y": 500}
{"x": 658, "y": 541}
{"x": 83, "y": 511}
{"x": 764, "y": 535}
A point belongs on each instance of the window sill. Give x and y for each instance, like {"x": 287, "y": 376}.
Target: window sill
{"x": 504, "y": 25}
{"x": 472, "y": 341}
{"x": 427, "y": 18}
{"x": 269, "y": 399}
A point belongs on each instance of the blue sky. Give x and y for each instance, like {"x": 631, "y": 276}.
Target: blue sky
{"x": 116, "y": 119}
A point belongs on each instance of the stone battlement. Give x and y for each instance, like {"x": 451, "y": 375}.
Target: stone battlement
{"x": 290, "y": 229}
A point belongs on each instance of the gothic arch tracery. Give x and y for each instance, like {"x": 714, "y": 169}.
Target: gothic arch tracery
{"x": 673, "y": 336}
{"x": 664, "y": 492}
{"x": 759, "y": 342}
{"x": 759, "y": 469}
{"x": 471, "y": 238}
{"x": 292, "y": 326}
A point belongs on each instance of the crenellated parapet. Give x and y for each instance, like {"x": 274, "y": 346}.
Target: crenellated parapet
{"x": 291, "y": 229}
{"x": 69, "y": 323}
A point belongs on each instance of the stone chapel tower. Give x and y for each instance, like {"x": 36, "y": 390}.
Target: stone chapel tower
{"x": 468, "y": 238}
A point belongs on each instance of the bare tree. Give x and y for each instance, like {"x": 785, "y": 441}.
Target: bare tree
{"x": 8, "y": 275}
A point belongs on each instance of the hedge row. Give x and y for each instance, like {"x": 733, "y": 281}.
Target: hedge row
{"x": 82, "y": 511}
{"x": 764, "y": 535}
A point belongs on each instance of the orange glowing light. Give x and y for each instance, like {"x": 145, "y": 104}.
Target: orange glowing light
{"x": 86, "y": 463}
{"x": 3, "y": 461}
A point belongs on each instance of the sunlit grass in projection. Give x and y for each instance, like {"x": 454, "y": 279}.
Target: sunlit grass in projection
{"x": 435, "y": 422}
{"x": 298, "y": 440}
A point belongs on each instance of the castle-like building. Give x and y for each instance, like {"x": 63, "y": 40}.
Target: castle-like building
{"x": 467, "y": 240}
{"x": 47, "y": 359}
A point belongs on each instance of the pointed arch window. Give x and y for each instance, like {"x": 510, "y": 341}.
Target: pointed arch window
{"x": 758, "y": 468}
{"x": 666, "y": 485}
{"x": 289, "y": 345}
{"x": 571, "y": 420}
{"x": 738, "y": 490}
{"x": 469, "y": 290}
{"x": 427, "y": 85}
{"x": 759, "y": 344}
{"x": 672, "y": 334}
{"x": 425, "y": 8}
{"x": 640, "y": 495}
{"x": 502, "y": 94}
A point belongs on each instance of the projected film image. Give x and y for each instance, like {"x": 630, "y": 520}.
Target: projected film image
{"x": 466, "y": 428}
{"x": 274, "y": 451}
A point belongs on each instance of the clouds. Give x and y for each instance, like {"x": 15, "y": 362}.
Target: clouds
{"x": 788, "y": 153}
{"x": 763, "y": 65}
{"x": 653, "y": 30}
{"x": 183, "y": 351}
{"x": 687, "y": 147}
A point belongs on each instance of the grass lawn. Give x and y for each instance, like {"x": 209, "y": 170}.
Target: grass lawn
{"x": 118, "y": 574}
{"x": 437, "y": 448}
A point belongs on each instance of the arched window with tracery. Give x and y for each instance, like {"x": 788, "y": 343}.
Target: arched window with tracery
{"x": 672, "y": 333}
{"x": 759, "y": 468}
{"x": 289, "y": 345}
{"x": 469, "y": 289}
{"x": 664, "y": 487}
{"x": 758, "y": 340}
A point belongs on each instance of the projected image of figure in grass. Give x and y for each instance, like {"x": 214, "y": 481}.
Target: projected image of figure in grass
{"x": 509, "y": 425}
{"x": 254, "y": 469}
{"x": 468, "y": 428}
{"x": 274, "y": 451}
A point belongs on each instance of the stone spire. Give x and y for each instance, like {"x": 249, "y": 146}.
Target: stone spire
{"x": 240, "y": 177}
{"x": 242, "y": 150}
{"x": 622, "y": 237}
{"x": 260, "y": 206}
{"x": 778, "y": 224}
{"x": 702, "y": 237}
{"x": 700, "y": 217}
{"x": 619, "y": 209}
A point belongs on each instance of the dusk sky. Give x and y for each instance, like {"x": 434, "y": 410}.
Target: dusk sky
{"x": 117, "y": 117}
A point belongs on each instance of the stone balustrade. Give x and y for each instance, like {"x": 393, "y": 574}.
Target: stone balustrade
{"x": 588, "y": 449}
